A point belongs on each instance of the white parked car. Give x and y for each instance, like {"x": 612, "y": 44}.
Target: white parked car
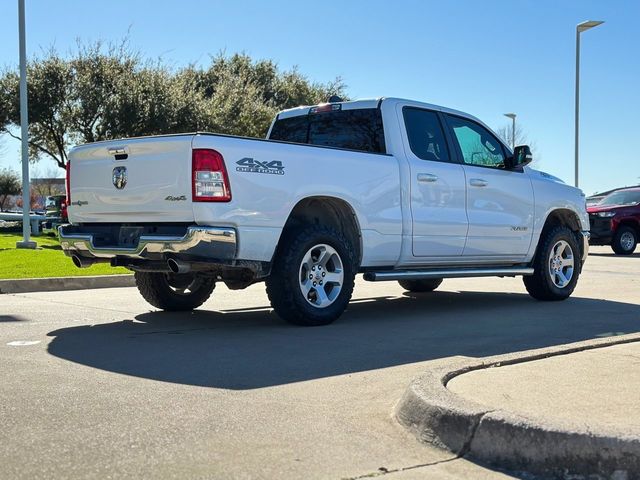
{"x": 394, "y": 189}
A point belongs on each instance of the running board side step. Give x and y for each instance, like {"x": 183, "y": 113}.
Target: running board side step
{"x": 446, "y": 273}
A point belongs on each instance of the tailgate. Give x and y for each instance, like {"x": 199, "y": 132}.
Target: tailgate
{"x": 132, "y": 181}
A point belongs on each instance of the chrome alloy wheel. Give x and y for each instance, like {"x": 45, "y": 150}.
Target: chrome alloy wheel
{"x": 561, "y": 264}
{"x": 627, "y": 241}
{"x": 321, "y": 275}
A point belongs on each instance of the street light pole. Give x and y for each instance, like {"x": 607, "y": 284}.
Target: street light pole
{"x": 579, "y": 29}
{"x": 512, "y": 116}
{"x": 24, "y": 128}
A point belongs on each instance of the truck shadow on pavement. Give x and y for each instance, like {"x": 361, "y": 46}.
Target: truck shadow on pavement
{"x": 11, "y": 318}
{"x": 252, "y": 348}
{"x": 601, "y": 254}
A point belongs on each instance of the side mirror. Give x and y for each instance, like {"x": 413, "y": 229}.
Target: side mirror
{"x": 521, "y": 156}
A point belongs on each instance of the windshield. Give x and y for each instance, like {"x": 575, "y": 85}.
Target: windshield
{"x": 629, "y": 197}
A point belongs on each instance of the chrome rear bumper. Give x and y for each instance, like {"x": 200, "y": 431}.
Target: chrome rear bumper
{"x": 215, "y": 243}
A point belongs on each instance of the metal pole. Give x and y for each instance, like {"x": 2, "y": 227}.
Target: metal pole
{"x": 577, "y": 112}
{"x": 24, "y": 128}
{"x": 513, "y": 133}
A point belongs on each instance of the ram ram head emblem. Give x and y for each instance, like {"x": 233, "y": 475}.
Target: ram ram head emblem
{"x": 119, "y": 177}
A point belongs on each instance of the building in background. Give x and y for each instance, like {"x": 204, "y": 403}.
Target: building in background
{"x": 41, "y": 190}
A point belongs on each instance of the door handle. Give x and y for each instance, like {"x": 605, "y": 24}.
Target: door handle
{"x": 427, "y": 178}
{"x": 478, "y": 182}
{"x": 119, "y": 153}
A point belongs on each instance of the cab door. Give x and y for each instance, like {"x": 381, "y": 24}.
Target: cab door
{"x": 500, "y": 202}
{"x": 437, "y": 186}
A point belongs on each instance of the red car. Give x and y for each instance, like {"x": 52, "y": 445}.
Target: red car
{"x": 615, "y": 221}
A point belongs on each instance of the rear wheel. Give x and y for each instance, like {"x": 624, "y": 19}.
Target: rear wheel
{"x": 174, "y": 292}
{"x": 312, "y": 278}
{"x": 625, "y": 241}
{"x": 556, "y": 265}
{"x": 418, "y": 286}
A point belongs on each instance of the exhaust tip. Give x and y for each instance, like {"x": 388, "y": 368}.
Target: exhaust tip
{"x": 173, "y": 265}
{"x": 80, "y": 262}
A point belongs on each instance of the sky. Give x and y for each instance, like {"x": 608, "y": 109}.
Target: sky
{"x": 486, "y": 58}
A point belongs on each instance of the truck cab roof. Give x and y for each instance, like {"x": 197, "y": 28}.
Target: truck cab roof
{"x": 372, "y": 103}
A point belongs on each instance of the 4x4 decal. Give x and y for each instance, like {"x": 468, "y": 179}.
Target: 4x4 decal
{"x": 247, "y": 164}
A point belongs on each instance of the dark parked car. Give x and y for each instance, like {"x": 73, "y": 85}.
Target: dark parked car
{"x": 615, "y": 221}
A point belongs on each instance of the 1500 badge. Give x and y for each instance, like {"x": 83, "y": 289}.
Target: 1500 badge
{"x": 246, "y": 164}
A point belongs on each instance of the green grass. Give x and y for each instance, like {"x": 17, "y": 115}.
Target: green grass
{"x": 47, "y": 261}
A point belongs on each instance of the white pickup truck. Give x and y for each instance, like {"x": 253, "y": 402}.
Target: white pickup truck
{"x": 394, "y": 189}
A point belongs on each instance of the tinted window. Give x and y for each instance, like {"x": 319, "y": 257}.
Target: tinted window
{"x": 478, "y": 146}
{"x": 351, "y": 129}
{"x": 424, "y": 131}
{"x": 293, "y": 129}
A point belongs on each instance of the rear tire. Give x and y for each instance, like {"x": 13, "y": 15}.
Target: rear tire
{"x": 420, "y": 286}
{"x": 174, "y": 292}
{"x": 556, "y": 265}
{"x": 312, "y": 277}
{"x": 624, "y": 241}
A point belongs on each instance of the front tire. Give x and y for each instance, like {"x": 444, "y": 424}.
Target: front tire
{"x": 312, "y": 277}
{"x": 174, "y": 292}
{"x": 556, "y": 265}
{"x": 625, "y": 241}
{"x": 420, "y": 286}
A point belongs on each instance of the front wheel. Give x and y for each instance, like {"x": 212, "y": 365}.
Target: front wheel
{"x": 174, "y": 292}
{"x": 624, "y": 241}
{"x": 556, "y": 265}
{"x": 312, "y": 277}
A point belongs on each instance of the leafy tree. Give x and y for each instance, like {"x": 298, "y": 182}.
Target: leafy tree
{"x": 103, "y": 92}
{"x": 9, "y": 185}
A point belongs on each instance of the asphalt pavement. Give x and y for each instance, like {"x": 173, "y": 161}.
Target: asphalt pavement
{"x": 95, "y": 383}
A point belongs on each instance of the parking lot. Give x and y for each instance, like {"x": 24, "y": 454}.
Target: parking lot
{"x": 94, "y": 384}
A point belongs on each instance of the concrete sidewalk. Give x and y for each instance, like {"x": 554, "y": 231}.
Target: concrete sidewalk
{"x": 54, "y": 284}
{"x": 595, "y": 389}
{"x": 567, "y": 412}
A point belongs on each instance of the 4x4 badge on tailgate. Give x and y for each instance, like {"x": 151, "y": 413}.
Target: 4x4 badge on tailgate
{"x": 250, "y": 165}
{"x": 119, "y": 177}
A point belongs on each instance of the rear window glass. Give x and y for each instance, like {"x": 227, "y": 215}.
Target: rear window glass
{"x": 426, "y": 138}
{"x": 294, "y": 129}
{"x": 351, "y": 129}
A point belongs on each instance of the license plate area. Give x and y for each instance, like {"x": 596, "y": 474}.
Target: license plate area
{"x": 128, "y": 236}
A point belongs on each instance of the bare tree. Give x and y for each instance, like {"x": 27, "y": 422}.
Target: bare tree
{"x": 47, "y": 184}
{"x": 520, "y": 137}
{"x": 506, "y": 132}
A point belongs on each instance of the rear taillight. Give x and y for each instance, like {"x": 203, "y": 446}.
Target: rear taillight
{"x": 210, "y": 182}
{"x": 68, "y": 182}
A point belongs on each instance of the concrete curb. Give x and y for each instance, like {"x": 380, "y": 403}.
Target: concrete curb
{"x": 439, "y": 417}
{"x": 53, "y": 284}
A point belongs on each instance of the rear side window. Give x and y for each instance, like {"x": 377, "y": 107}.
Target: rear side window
{"x": 350, "y": 129}
{"x": 425, "y": 134}
{"x": 294, "y": 129}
